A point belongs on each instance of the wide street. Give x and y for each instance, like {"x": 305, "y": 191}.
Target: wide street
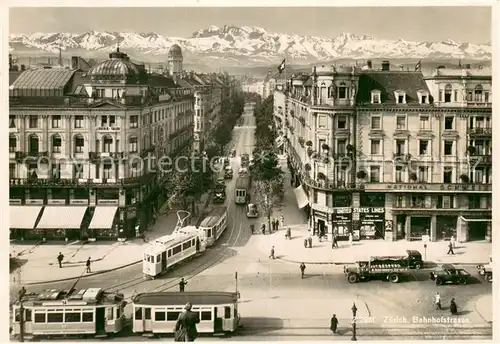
{"x": 273, "y": 296}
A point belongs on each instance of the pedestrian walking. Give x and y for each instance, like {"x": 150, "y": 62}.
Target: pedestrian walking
{"x": 60, "y": 258}
{"x": 277, "y": 222}
{"x": 305, "y": 243}
{"x": 302, "y": 269}
{"x": 185, "y": 328}
{"x": 282, "y": 220}
{"x": 263, "y": 228}
{"x": 334, "y": 242}
{"x": 87, "y": 264}
{"x": 310, "y": 241}
{"x": 437, "y": 300}
{"x": 453, "y": 307}
{"x": 182, "y": 285}
{"x": 450, "y": 248}
{"x": 252, "y": 228}
{"x": 288, "y": 233}
{"x": 272, "y": 253}
{"x": 453, "y": 241}
{"x": 334, "y": 323}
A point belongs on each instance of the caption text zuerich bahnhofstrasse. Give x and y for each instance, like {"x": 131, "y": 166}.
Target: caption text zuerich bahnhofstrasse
{"x": 414, "y": 320}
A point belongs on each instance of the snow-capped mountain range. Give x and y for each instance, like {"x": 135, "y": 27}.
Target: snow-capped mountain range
{"x": 246, "y": 44}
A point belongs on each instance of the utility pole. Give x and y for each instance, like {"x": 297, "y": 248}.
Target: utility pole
{"x": 22, "y": 291}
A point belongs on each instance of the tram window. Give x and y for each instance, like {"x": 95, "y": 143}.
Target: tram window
{"x": 110, "y": 313}
{"x": 169, "y": 253}
{"x": 147, "y": 316}
{"x": 88, "y": 317}
{"x": 72, "y": 317}
{"x": 159, "y": 316}
{"x": 158, "y": 258}
{"x": 18, "y": 315}
{"x": 54, "y": 317}
{"x": 210, "y": 232}
{"x": 118, "y": 313}
{"x": 172, "y": 316}
{"x": 176, "y": 249}
{"x": 27, "y": 315}
{"x": 138, "y": 313}
{"x": 227, "y": 312}
{"x": 206, "y": 315}
{"x": 40, "y": 317}
{"x": 192, "y": 242}
{"x": 186, "y": 245}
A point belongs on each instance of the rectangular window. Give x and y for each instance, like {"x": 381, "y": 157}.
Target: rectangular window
{"x": 400, "y": 172}
{"x": 474, "y": 201}
{"x": 134, "y": 121}
{"x": 423, "y": 99}
{"x": 418, "y": 201}
{"x": 138, "y": 313}
{"x": 341, "y": 146}
{"x": 440, "y": 95}
{"x": 12, "y": 171}
{"x": 401, "y": 122}
{"x": 72, "y": 317}
{"x": 40, "y": 317}
{"x": 160, "y": 316}
{"x": 447, "y": 175}
{"x": 400, "y": 147}
{"x": 99, "y": 92}
{"x": 376, "y": 98}
{"x": 172, "y": 316}
{"x": 186, "y": 245}
{"x": 107, "y": 171}
{"x": 423, "y": 147}
{"x": 206, "y": 316}
{"x": 12, "y": 121}
{"x": 227, "y": 312}
{"x": 88, "y": 317}
{"x": 469, "y": 96}
{"x": 376, "y": 123}
{"x": 112, "y": 120}
{"x": 147, "y": 313}
{"x": 132, "y": 147}
{"x": 79, "y": 121}
{"x": 12, "y": 144}
{"x": 79, "y": 143}
{"x": 56, "y": 121}
{"x": 104, "y": 121}
{"x": 375, "y": 147}
{"x": 455, "y": 95}
{"x": 425, "y": 123}
{"x": 423, "y": 174}
{"x": 448, "y": 123}
{"x": 56, "y": 144}
{"x": 342, "y": 122}
{"x": 401, "y": 99}
{"x": 322, "y": 121}
{"x": 486, "y": 97}
{"x": 177, "y": 249}
{"x": 448, "y": 148}
{"x": 33, "y": 122}
{"x": 55, "y": 317}
{"x": 342, "y": 92}
{"x": 374, "y": 174}
{"x": 27, "y": 315}
{"x": 446, "y": 202}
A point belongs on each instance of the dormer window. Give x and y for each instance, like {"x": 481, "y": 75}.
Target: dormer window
{"x": 400, "y": 97}
{"x": 342, "y": 91}
{"x": 376, "y": 99}
{"x": 423, "y": 97}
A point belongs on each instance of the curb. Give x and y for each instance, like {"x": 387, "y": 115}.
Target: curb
{"x": 86, "y": 275}
{"x": 347, "y": 263}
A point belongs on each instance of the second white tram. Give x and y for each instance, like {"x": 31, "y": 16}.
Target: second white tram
{"x": 170, "y": 250}
{"x": 214, "y": 224}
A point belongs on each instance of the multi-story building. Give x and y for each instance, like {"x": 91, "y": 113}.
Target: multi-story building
{"x": 85, "y": 148}
{"x": 386, "y": 153}
{"x": 254, "y": 87}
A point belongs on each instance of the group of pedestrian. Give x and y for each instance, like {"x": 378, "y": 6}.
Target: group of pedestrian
{"x": 308, "y": 241}
{"x": 288, "y": 233}
{"x": 60, "y": 258}
{"x": 275, "y": 225}
{"x": 453, "y": 304}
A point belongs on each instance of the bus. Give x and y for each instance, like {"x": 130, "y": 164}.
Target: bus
{"x": 214, "y": 224}
{"x": 242, "y": 190}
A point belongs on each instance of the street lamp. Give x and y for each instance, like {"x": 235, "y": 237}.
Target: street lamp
{"x": 354, "y": 309}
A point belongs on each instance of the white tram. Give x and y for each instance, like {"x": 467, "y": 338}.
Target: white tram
{"x": 157, "y": 313}
{"x": 72, "y": 312}
{"x": 214, "y": 224}
{"x": 169, "y": 250}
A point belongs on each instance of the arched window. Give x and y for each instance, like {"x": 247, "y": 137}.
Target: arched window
{"x": 448, "y": 89}
{"x": 478, "y": 93}
{"x": 12, "y": 143}
{"x": 107, "y": 142}
{"x": 342, "y": 91}
{"x": 56, "y": 143}
{"x": 324, "y": 92}
{"x": 79, "y": 143}
{"x": 33, "y": 143}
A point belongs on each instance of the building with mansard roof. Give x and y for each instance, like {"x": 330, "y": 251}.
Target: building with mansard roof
{"x": 385, "y": 153}
{"x": 85, "y": 142}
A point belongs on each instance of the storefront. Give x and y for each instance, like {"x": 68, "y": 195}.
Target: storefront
{"x": 102, "y": 225}
{"x": 372, "y": 222}
{"x": 60, "y": 223}
{"x": 342, "y": 223}
{"x": 23, "y": 220}
{"x": 446, "y": 227}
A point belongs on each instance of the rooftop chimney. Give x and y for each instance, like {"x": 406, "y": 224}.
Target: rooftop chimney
{"x": 369, "y": 64}
{"x": 386, "y": 65}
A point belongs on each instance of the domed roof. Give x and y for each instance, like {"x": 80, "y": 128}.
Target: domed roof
{"x": 175, "y": 50}
{"x": 119, "y": 65}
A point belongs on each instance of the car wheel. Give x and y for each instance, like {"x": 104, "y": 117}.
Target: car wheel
{"x": 431, "y": 276}
{"x": 462, "y": 281}
{"x": 394, "y": 278}
{"x": 352, "y": 278}
{"x": 418, "y": 266}
{"x": 439, "y": 281}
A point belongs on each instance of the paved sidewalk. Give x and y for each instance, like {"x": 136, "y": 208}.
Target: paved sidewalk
{"x": 322, "y": 253}
{"x": 38, "y": 262}
{"x": 483, "y": 307}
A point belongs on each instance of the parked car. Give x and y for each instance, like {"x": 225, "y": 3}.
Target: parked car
{"x": 228, "y": 172}
{"x": 243, "y": 171}
{"x": 450, "y": 274}
{"x": 415, "y": 259}
{"x": 252, "y": 210}
{"x": 220, "y": 183}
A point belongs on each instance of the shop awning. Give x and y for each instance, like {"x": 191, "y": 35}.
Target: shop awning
{"x": 103, "y": 217}
{"x": 301, "y": 196}
{"x": 23, "y": 217}
{"x": 476, "y": 218}
{"x": 59, "y": 217}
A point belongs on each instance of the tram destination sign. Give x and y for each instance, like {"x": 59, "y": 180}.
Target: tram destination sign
{"x": 425, "y": 187}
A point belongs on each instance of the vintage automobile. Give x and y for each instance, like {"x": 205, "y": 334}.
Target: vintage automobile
{"x": 245, "y": 160}
{"x": 252, "y": 210}
{"x": 415, "y": 259}
{"x": 450, "y": 274}
{"x": 486, "y": 270}
{"x": 228, "y": 172}
{"x": 243, "y": 171}
{"x": 233, "y": 153}
{"x": 386, "y": 268}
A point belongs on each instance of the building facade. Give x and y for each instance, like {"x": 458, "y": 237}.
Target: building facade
{"x": 388, "y": 154}
{"x": 85, "y": 148}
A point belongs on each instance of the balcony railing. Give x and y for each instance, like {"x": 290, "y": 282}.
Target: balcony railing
{"x": 480, "y": 159}
{"x": 75, "y": 182}
{"x": 327, "y": 184}
{"x": 94, "y": 156}
{"x": 480, "y": 131}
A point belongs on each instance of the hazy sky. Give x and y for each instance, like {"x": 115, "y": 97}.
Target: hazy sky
{"x": 462, "y": 24}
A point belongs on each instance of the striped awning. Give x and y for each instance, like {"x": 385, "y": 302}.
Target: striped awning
{"x": 60, "y": 217}
{"x": 301, "y": 196}
{"x": 103, "y": 217}
{"x": 23, "y": 216}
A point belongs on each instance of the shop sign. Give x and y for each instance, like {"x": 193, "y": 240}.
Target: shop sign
{"x": 422, "y": 187}
{"x": 342, "y": 217}
{"x": 34, "y": 202}
{"x": 56, "y": 201}
{"x": 322, "y": 208}
{"x": 15, "y": 201}
{"x": 79, "y": 201}
{"x": 369, "y": 210}
{"x": 107, "y": 201}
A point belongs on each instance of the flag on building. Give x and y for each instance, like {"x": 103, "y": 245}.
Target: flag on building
{"x": 281, "y": 67}
{"x": 418, "y": 66}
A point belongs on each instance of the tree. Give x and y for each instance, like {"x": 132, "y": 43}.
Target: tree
{"x": 222, "y": 137}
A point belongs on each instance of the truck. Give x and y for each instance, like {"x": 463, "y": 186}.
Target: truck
{"x": 389, "y": 268}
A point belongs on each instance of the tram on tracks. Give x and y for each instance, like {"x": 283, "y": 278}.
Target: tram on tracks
{"x": 167, "y": 251}
{"x": 214, "y": 224}
{"x": 242, "y": 190}
{"x": 58, "y": 313}
{"x": 157, "y": 313}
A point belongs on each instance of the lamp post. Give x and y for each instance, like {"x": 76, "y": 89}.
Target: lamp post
{"x": 354, "y": 309}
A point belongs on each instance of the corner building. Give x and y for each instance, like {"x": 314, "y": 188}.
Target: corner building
{"x": 84, "y": 148}
{"x": 388, "y": 154}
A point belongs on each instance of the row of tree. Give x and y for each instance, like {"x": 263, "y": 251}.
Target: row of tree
{"x": 267, "y": 175}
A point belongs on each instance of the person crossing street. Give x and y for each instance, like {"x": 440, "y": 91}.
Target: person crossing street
{"x": 272, "y": 253}
{"x": 302, "y": 269}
